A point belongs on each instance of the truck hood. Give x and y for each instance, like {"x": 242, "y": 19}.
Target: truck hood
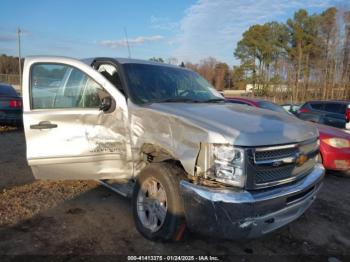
{"x": 240, "y": 124}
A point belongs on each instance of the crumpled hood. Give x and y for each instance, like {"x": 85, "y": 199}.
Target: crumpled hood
{"x": 244, "y": 125}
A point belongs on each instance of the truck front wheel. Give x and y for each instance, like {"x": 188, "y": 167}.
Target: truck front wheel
{"x": 157, "y": 204}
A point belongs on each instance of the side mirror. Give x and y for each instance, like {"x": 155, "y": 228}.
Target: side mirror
{"x": 106, "y": 104}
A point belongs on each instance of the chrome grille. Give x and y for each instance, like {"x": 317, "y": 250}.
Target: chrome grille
{"x": 275, "y": 154}
{"x": 271, "y": 166}
{"x": 272, "y": 174}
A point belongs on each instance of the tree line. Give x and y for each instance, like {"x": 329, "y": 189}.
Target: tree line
{"x": 307, "y": 57}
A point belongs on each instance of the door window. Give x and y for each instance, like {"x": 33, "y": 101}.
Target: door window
{"x": 333, "y": 107}
{"x": 63, "y": 86}
{"x": 317, "y": 106}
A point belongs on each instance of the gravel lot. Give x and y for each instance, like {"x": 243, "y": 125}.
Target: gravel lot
{"x": 83, "y": 218}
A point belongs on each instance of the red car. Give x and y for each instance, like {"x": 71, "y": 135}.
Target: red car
{"x": 334, "y": 142}
{"x": 334, "y": 148}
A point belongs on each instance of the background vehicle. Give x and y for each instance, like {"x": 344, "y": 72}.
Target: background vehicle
{"x": 10, "y": 106}
{"x": 293, "y": 108}
{"x": 162, "y": 135}
{"x": 334, "y": 142}
{"x": 331, "y": 113}
{"x": 334, "y": 148}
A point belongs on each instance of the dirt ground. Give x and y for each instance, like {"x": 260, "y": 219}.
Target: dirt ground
{"x": 83, "y": 218}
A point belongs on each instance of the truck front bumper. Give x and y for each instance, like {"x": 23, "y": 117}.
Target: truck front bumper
{"x": 240, "y": 214}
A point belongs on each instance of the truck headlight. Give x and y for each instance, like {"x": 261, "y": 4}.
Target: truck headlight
{"x": 228, "y": 165}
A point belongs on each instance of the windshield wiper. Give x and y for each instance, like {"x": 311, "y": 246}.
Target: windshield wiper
{"x": 214, "y": 100}
{"x": 187, "y": 100}
{"x": 178, "y": 100}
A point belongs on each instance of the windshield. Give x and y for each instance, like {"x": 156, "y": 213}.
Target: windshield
{"x": 157, "y": 84}
{"x": 272, "y": 106}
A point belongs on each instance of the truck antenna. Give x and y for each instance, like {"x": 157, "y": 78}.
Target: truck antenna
{"x": 127, "y": 41}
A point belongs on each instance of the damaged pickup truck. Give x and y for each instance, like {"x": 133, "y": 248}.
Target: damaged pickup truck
{"x": 163, "y": 136}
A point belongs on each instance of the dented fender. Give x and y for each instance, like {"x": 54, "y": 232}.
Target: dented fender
{"x": 176, "y": 136}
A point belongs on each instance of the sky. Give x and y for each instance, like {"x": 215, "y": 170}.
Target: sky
{"x": 189, "y": 30}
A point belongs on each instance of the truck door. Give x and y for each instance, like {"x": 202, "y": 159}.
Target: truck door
{"x": 67, "y": 135}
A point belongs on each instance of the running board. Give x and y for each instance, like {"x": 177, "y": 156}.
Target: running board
{"x": 125, "y": 189}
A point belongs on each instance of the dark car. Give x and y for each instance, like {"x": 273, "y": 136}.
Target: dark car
{"x": 10, "y": 106}
{"x": 330, "y": 113}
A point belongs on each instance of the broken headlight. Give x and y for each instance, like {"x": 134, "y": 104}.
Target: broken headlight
{"x": 228, "y": 165}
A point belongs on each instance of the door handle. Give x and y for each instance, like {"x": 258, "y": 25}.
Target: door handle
{"x": 43, "y": 125}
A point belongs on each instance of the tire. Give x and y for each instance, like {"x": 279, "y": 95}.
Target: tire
{"x": 164, "y": 179}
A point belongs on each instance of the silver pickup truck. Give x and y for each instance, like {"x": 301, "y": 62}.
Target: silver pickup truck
{"x": 163, "y": 136}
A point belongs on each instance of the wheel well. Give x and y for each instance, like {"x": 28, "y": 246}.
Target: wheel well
{"x": 156, "y": 154}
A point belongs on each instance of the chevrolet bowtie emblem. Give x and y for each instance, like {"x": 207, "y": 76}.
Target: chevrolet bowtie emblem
{"x": 301, "y": 159}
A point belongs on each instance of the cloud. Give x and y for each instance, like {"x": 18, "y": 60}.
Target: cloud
{"x": 213, "y": 28}
{"x": 132, "y": 41}
{"x": 8, "y": 38}
{"x": 163, "y": 23}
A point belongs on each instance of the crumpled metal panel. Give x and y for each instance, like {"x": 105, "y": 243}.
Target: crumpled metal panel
{"x": 180, "y": 138}
{"x": 240, "y": 214}
{"x": 239, "y": 124}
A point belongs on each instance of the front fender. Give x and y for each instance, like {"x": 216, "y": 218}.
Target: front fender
{"x": 170, "y": 133}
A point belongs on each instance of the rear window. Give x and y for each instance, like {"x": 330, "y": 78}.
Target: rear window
{"x": 7, "y": 91}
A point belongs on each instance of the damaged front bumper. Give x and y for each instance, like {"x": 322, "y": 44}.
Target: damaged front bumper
{"x": 240, "y": 214}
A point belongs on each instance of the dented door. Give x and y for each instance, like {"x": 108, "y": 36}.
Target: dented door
{"x": 67, "y": 135}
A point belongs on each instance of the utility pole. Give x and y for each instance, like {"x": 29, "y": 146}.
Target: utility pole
{"x": 19, "y": 57}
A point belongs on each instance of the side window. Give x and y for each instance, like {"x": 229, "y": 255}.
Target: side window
{"x": 63, "y": 86}
{"x": 333, "y": 107}
{"x": 317, "y": 106}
